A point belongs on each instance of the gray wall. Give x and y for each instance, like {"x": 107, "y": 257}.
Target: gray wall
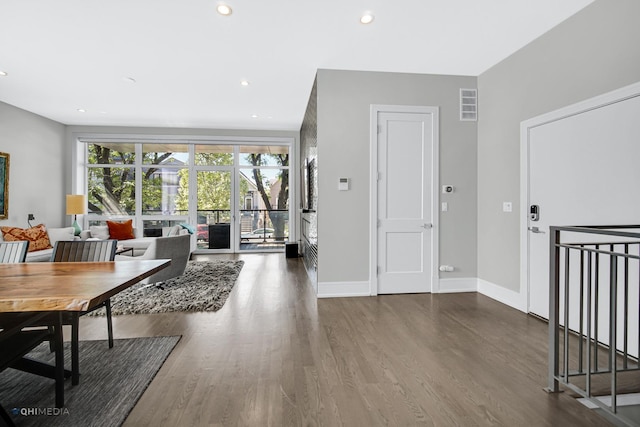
{"x": 39, "y": 161}
{"x": 344, "y": 99}
{"x": 595, "y": 51}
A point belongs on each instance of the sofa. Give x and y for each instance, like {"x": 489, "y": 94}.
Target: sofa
{"x": 139, "y": 244}
{"x": 41, "y": 239}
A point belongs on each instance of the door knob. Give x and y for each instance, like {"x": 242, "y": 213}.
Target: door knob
{"x": 535, "y": 230}
{"x": 427, "y": 226}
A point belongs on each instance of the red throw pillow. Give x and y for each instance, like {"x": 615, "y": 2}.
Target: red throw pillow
{"x": 37, "y": 236}
{"x": 121, "y": 230}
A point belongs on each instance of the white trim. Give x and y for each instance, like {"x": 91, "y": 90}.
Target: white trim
{"x": 373, "y": 192}
{"x": 373, "y": 199}
{"x": 596, "y": 102}
{"x": 626, "y": 399}
{"x": 515, "y": 299}
{"x": 458, "y": 284}
{"x": 343, "y": 289}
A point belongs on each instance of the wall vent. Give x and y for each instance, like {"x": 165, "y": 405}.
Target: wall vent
{"x": 469, "y": 105}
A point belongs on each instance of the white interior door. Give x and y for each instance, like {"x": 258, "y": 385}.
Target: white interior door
{"x": 405, "y": 190}
{"x": 583, "y": 170}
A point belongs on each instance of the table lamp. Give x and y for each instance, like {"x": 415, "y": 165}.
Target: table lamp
{"x": 76, "y": 204}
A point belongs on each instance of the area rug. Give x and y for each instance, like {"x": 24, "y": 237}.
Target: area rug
{"x": 111, "y": 382}
{"x": 204, "y": 286}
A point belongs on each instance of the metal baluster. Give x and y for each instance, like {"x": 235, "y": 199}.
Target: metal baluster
{"x": 625, "y": 326}
{"x": 596, "y": 304}
{"x": 588, "y": 379}
{"x": 613, "y": 317}
{"x": 566, "y": 314}
{"x": 580, "y": 342}
{"x": 554, "y": 309}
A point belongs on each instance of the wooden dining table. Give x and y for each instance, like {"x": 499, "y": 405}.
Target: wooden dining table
{"x": 30, "y": 289}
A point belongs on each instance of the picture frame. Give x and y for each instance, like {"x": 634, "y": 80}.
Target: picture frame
{"x": 4, "y": 185}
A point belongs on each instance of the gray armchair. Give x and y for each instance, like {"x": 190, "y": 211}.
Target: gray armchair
{"x": 175, "y": 248}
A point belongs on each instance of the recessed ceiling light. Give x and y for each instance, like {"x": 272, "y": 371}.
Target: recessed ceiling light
{"x": 224, "y": 9}
{"x": 3, "y": 73}
{"x": 244, "y": 83}
{"x": 81, "y": 110}
{"x": 254, "y": 116}
{"x": 367, "y": 18}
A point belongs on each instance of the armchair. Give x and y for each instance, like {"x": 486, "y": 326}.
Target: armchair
{"x": 175, "y": 248}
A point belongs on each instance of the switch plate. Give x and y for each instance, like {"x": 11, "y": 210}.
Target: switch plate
{"x": 507, "y": 207}
{"x": 445, "y": 206}
{"x": 343, "y": 184}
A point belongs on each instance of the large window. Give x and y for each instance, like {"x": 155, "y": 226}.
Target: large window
{"x": 111, "y": 179}
{"x": 241, "y": 189}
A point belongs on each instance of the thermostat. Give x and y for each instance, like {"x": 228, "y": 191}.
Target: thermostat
{"x": 447, "y": 189}
{"x": 343, "y": 184}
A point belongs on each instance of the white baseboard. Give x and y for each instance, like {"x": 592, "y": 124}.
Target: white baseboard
{"x": 509, "y": 297}
{"x": 343, "y": 289}
{"x": 517, "y": 300}
{"x": 458, "y": 284}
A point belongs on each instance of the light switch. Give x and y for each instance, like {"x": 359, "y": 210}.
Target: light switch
{"x": 343, "y": 184}
{"x": 445, "y": 206}
{"x": 507, "y": 207}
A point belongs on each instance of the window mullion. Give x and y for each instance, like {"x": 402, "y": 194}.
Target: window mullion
{"x": 138, "y": 189}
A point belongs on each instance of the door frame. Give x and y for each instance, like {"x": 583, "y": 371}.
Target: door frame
{"x": 375, "y": 109}
{"x": 526, "y": 126}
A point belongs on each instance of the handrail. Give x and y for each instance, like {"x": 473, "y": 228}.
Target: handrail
{"x": 586, "y": 276}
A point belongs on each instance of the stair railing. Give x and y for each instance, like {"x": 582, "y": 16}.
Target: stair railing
{"x": 594, "y": 311}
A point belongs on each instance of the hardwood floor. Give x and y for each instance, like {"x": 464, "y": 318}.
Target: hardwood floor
{"x": 275, "y": 355}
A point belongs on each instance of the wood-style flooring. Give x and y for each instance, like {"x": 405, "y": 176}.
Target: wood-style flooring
{"x": 275, "y": 355}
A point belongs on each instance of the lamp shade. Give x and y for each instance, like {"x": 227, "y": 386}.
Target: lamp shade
{"x": 76, "y": 204}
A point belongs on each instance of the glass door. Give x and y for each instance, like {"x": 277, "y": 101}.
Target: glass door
{"x": 263, "y": 198}
{"x": 214, "y": 186}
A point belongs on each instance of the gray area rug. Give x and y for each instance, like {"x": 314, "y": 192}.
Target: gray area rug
{"x": 204, "y": 286}
{"x": 111, "y": 382}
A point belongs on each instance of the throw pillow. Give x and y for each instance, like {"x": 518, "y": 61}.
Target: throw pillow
{"x": 121, "y": 230}
{"x": 99, "y": 232}
{"x": 174, "y": 231}
{"x": 190, "y": 228}
{"x": 37, "y": 236}
{"x": 60, "y": 234}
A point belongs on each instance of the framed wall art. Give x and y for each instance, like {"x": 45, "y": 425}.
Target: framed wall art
{"x": 4, "y": 185}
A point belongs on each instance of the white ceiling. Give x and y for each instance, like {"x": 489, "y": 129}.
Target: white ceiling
{"x": 188, "y": 61}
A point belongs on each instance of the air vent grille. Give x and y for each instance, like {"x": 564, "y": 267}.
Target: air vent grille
{"x": 469, "y": 105}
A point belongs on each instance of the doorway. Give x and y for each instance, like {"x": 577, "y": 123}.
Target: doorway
{"x": 579, "y": 168}
{"x": 404, "y": 159}
{"x": 243, "y": 197}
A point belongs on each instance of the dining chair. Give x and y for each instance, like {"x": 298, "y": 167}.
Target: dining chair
{"x": 84, "y": 251}
{"x": 18, "y": 337}
{"x": 13, "y": 252}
